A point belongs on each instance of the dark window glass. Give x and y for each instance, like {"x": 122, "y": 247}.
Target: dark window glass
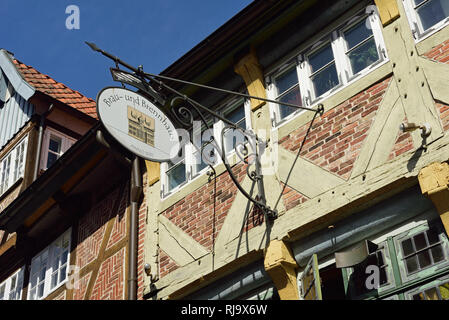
{"x": 422, "y": 251}
{"x": 324, "y": 72}
{"x": 361, "y": 46}
{"x": 359, "y": 276}
{"x": 288, "y": 91}
{"x": 431, "y": 12}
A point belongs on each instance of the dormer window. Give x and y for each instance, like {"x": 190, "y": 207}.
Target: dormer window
{"x": 54, "y": 145}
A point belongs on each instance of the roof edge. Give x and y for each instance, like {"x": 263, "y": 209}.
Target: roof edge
{"x": 17, "y": 81}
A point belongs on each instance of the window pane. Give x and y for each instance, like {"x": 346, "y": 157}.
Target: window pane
{"x": 444, "y": 291}
{"x": 320, "y": 58}
{"x": 237, "y": 116}
{"x": 286, "y": 80}
{"x": 433, "y": 12}
{"x": 176, "y": 176}
{"x": 407, "y": 247}
{"x": 54, "y": 279}
{"x": 380, "y": 258}
{"x": 418, "y": 296}
{"x": 357, "y": 34}
{"x": 363, "y": 56}
{"x": 437, "y": 253}
{"x": 18, "y": 168}
{"x": 13, "y": 283}
{"x": 412, "y": 264}
{"x": 420, "y": 241}
{"x": 42, "y": 273}
{"x": 64, "y": 257}
{"x": 32, "y": 294}
{"x": 233, "y": 138}
{"x": 431, "y": 294}
{"x": 2, "y": 291}
{"x": 51, "y": 159}
{"x": 383, "y": 276}
{"x": 40, "y": 289}
{"x": 292, "y": 97}
{"x": 62, "y": 273}
{"x": 424, "y": 259}
{"x": 432, "y": 237}
{"x": 54, "y": 145}
{"x": 5, "y": 174}
{"x": 201, "y": 166}
{"x": 325, "y": 80}
{"x": 33, "y": 279}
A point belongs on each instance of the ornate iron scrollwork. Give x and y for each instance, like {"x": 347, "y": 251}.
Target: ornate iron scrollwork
{"x": 181, "y": 108}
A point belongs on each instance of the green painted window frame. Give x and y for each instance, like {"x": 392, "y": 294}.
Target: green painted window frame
{"x": 423, "y": 288}
{"x": 437, "y": 227}
{"x": 349, "y": 285}
{"x": 404, "y": 285}
{"x": 312, "y": 269}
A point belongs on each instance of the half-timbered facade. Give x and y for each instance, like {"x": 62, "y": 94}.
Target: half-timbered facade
{"x": 65, "y": 195}
{"x": 361, "y": 190}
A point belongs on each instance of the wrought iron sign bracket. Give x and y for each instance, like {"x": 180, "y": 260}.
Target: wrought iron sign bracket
{"x": 183, "y": 115}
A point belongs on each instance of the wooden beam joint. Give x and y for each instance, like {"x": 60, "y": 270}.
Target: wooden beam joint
{"x": 281, "y": 266}
{"x": 434, "y": 183}
{"x": 388, "y": 11}
{"x": 249, "y": 69}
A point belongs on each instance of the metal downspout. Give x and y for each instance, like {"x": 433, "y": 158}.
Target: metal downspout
{"x": 39, "y": 141}
{"x": 135, "y": 193}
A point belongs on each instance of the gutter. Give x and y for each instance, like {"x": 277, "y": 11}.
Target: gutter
{"x": 134, "y": 195}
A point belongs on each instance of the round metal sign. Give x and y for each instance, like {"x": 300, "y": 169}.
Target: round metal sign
{"x": 137, "y": 124}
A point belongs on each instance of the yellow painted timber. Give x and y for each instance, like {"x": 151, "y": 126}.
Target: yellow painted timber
{"x": 434, "y": 180}
{"x": 388, "y": 10}
{"x": 281, "y": 267}
{"x": 153, "y": 172}
{"x": 249, "y": 69}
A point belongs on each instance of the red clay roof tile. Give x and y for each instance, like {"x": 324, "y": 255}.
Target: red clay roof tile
{"x": 57, "y": 90}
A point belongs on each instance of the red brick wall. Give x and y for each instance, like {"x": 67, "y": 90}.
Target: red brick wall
{"x": 166, "y": 264}
{"x": 110, "y": 282}
{"x": 81, "y": 287}
{"x": 404, "y": 143}
{"x": 101, "y": 251}
{"x": 91, "y": 230}
{"x": 335, "y": 139}
{"x": 443, "y": 110}
{"x": 194, "y": 214}
{"x": 291, "y": 197}
{"x": 439, "y": 53}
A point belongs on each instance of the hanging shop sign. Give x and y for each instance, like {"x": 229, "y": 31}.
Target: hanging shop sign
{"x": 137, "y": 124}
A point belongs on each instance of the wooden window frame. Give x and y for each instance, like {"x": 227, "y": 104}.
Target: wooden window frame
{"x": 66, "y": 142}
{"x": 6, "y": 285}
{"x": 47, "y": 267}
